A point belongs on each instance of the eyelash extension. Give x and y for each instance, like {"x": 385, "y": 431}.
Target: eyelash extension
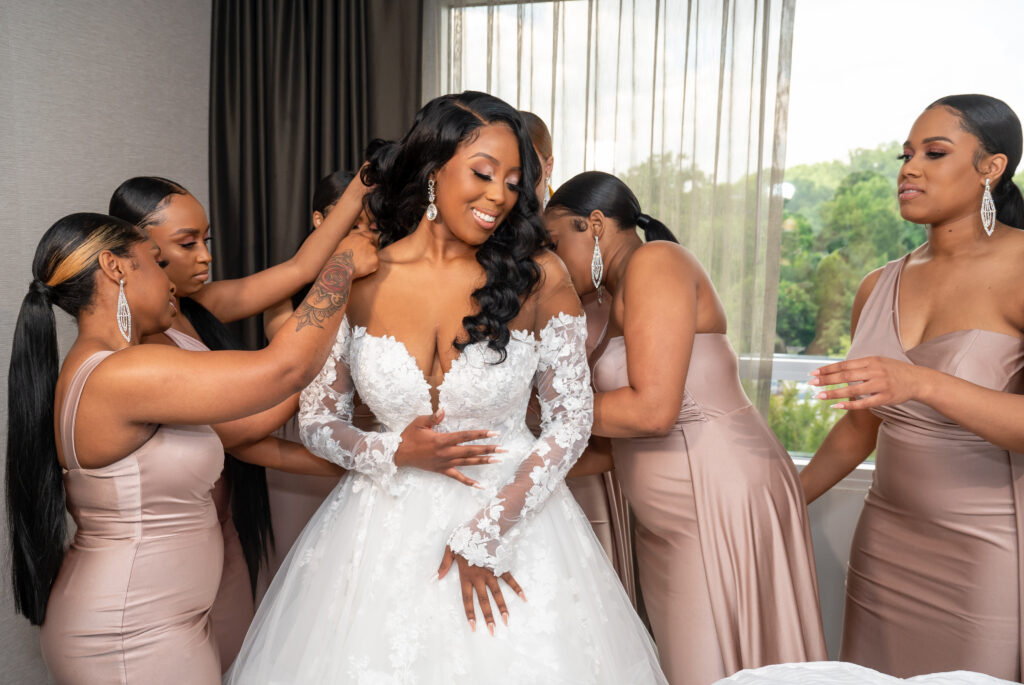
{"x": 484, "y": 177}
{"x": 904, "y": 157}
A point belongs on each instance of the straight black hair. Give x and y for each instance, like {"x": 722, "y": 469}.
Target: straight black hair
{"x": 596, "y": 190}
{"x": 250, "y": 500}
{"x": 998, "y": 131}
{"x": 330, "y": 189}
{"x": 138, "y": 200}
{"x": 63, "y": 274}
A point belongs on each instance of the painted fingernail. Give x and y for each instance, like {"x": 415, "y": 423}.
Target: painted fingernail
{"x": 821, "y": 396}
{"x": 499, "y": 450}
{"x": 493, "y": 434}
{"x": 472, "y": 625}
{"x": 504, "y": 617}
{"x": 521, "y": 595}
{"x": 490, "y": 629}
{"x": 837, "y": 406}
{"x": 492, "y": 460}
{"x": 815, "y": 372}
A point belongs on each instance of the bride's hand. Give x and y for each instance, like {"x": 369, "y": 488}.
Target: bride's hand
{"x": 424, "y": 448}
{"x": 479, "y": 579}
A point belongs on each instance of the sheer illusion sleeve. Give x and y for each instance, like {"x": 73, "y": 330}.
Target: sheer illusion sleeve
{"x": 325, "y": 422}
{"x": 562, "y": 381}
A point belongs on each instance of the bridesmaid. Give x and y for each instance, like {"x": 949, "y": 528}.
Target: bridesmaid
{"x": 591, "y": 480}
{"x": 121, "y": 436}
{"x": 176, "y": 222}
{"x": 723, "y": 542}
{"x": 935, "y": 576}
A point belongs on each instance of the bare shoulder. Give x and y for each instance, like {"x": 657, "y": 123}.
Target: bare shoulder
{"x": 553, "y": 274}
{"x": 662, "y": 261}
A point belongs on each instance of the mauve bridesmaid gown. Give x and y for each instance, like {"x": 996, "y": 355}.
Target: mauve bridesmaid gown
{"x": 132, "y": 600}
{"x": 934, "y": 580}
{"x": 722, "y": 537}
{"x": 234, "y": 608}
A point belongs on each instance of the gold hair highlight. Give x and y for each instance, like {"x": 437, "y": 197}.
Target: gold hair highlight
{"x": 106, "y": 238}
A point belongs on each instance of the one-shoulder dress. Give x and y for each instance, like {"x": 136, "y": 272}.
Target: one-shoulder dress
{"x": 723, "y": 541}
{"x": 934, "y": 579}
{"x": 131, "y": 603}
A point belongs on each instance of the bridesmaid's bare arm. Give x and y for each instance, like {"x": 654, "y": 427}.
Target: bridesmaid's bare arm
{"x": 250, "y": 429}
{"x": 659, "y": 293}
{"x": 238, "y": 298}
{"x": 157, "y": 384}
{"x": 853, "y": 438}
{"x": 287, "y": 456}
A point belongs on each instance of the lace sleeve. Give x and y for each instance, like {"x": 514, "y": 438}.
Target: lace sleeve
{"x": 567, "y": 413}
{"x": 325, "y": 422}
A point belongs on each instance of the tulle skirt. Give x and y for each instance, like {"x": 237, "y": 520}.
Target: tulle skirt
{"x": 357, "y": 599}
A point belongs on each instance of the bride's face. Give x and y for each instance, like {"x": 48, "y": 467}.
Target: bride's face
{"x": 477, "y": 188}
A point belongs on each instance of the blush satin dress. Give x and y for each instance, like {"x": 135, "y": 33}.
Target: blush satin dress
{"x": 234, "y": 608}
{"x": 934, "y": 580}
{"x": 723, "y": 542}
{"x": 131, "y": 603}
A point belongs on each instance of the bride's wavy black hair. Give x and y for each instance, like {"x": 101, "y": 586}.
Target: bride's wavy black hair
{"x": 400, "y": 171}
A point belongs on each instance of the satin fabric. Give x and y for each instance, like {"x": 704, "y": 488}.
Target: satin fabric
{"x": 722, "y": 537}
{"x": 234, "y": 608}
{"x": 132, "y": 600}
{"x": 934, "y": 580}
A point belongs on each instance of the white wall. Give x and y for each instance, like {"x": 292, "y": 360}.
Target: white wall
{"x": 91, "y": 93}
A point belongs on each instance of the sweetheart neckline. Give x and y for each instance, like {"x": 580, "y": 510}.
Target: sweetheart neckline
{"x": 517, "y": 335}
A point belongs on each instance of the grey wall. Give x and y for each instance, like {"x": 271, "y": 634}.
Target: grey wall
{"x": 91, "y": 93}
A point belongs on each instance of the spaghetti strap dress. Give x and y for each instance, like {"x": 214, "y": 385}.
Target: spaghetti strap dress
{"x": 934, "y": 578}
{"x": 131, "y": 603}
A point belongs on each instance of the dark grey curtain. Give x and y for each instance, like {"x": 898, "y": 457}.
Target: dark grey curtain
{"x": 297, "y": 90}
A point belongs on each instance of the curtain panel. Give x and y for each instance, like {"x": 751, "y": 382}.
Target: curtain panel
{"x": 297, "y": 90}
{"x": 685, "y": 100}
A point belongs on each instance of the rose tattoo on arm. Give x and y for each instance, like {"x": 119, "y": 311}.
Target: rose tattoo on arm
{"x": 329, "y": 293}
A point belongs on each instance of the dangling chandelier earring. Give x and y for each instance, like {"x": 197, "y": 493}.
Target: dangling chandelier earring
{"x": 547, "y": 193}
{"x": 988, "y": 210}
{"x": 124, "y": 314}
{"x": 431, "y": 196}
{"x": 597, "y": 270}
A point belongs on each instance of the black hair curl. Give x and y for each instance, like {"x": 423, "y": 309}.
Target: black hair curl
{"x": 400, "y": 171}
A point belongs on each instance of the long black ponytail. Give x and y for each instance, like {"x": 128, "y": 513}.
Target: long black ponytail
{"x": 140, "y": 200}
{"x": 63, "y": 273}
{"x": 250, "y": 500}
{"x": 596, "y": 190}
{"x": 998, "y": 130}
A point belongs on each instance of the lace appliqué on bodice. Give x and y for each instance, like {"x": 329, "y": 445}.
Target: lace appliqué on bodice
{"x": 477, "y": 392}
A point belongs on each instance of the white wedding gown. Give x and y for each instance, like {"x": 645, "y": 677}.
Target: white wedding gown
{"x": 357, "y": 600}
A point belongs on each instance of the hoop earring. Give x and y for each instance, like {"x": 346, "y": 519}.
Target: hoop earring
{"x": 988, "y": 210}
{"x": 431, "y": 196}
{"x": 597, "y": 270}
{"x": 124, "y": 314}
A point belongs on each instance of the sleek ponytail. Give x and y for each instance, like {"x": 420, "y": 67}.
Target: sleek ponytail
{"x": 63, "y": 271}
{"x": 250, "y": 499}
{"x": 998, "y": 131}
{"x": 596, "y": 190}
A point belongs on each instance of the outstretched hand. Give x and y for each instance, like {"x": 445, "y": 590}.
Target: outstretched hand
{"x": 870, "y": 382}
{"x": 479, "y": 579}
{"x": 424, "y": 448}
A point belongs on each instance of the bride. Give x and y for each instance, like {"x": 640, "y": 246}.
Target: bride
{"x": 395, "y": 580}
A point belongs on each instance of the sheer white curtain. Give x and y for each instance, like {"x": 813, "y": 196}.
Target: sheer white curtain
{"x": 685, "y": 100}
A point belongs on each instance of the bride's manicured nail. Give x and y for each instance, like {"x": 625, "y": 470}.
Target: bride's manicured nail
{"x": 500, "y": 451}
{"x": 472, "y": 625}
{"x": 521, "y": 595}
{"x": 490, "y": 629}
{"x": 837, "y": 406}
{"x": 504, "y": 617}
{"x": 493, "y": 434}
{"x": 821, "y": 396}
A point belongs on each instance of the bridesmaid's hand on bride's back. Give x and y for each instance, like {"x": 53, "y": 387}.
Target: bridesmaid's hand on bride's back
{"x": 424, "y": 448}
